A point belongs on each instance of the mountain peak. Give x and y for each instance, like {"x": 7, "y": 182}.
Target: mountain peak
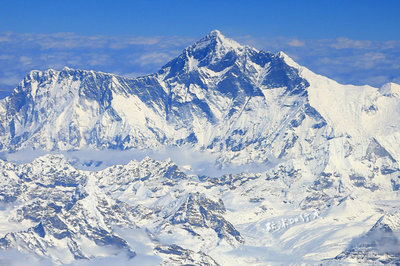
{"x": 215, "y": 34}
{"x": 216, "y": 41}
{"x": 209, "y": 50}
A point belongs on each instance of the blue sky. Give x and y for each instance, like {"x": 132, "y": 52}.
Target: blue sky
{"x": 355, "y": 19}
{"x": 351, "y": 41}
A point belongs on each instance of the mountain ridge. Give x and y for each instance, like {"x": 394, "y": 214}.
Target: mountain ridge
{"x": 209, "y": 85}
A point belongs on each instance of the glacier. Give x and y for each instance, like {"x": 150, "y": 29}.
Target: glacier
{"x": 227, "y": 155}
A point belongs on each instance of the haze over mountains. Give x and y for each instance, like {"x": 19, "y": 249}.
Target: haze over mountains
{"x": 326, "y": 186}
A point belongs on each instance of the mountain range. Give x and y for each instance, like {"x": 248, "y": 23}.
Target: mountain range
{"x": 325, "y": 189}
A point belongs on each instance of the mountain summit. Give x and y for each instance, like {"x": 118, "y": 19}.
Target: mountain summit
{"x": 216, "y": 44}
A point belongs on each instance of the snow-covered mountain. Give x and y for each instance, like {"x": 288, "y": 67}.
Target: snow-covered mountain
{"x": 327, "y": 164}
{"x": 55, "y": 211}
{"x": 150, "y": 212}
{"x": 217, "y": 95}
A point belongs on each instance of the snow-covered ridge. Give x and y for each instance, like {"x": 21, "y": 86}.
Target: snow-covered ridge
{"x": 150, "y": 210}
{"x": 362, "y": 112}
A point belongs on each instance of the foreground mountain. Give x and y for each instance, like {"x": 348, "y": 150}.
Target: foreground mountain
{"x": 55, "y": 211}
{"x": 324, "y": 158}
{"x": 150, "y": 212}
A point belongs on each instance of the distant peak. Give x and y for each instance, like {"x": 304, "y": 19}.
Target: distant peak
{"x": 390, "y": 89}
{"x": 390, "y": 85}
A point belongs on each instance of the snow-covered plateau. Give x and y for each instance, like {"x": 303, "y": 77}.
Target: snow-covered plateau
{"x": 226, "y": 156}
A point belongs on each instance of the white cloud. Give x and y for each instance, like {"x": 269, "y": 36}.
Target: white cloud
{"x": 344, "y": 43}
{"x": 296, "y": 43}
{"x": 25, "y": 60}
{"x": 153, "y": 58}
{"x": 6, "y": 57}
{"x": 379, "y": 79}
{"x": 133, "y": 74}
{"x": 98, "y": 60}
{"x": 10, "y": 80}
